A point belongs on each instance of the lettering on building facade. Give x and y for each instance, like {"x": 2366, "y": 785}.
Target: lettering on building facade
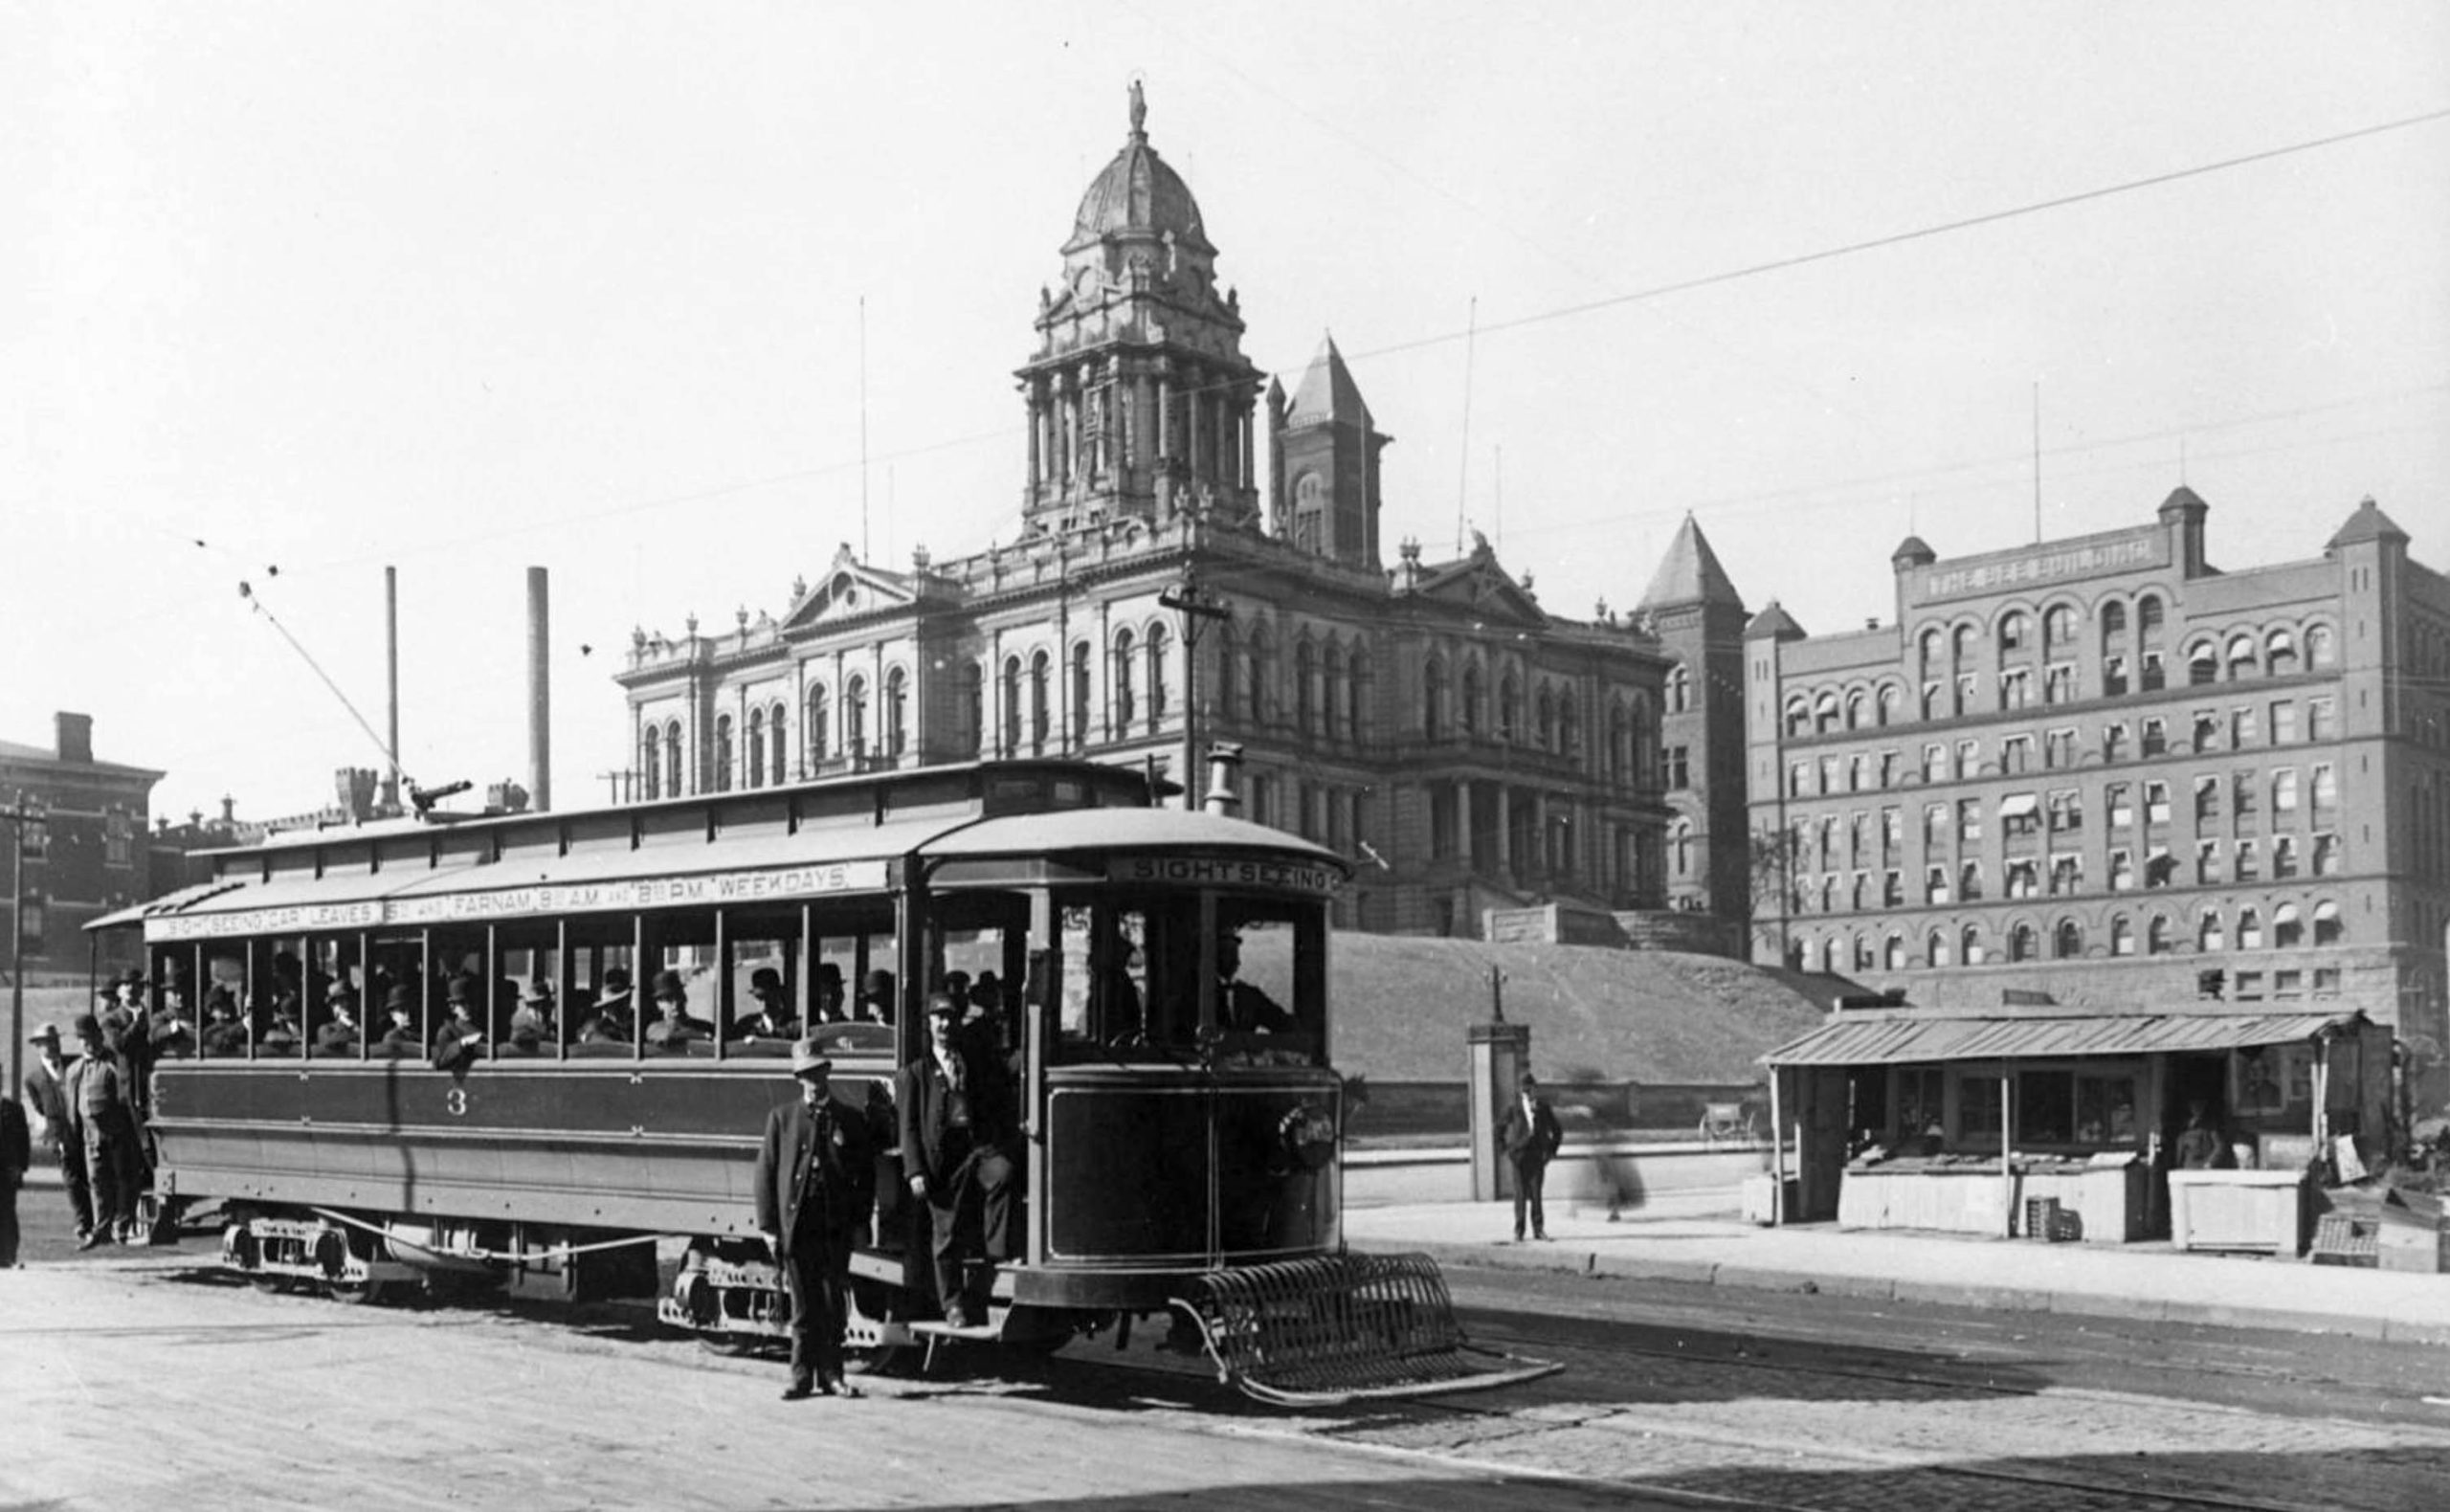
{"x": 2047, "y": 565}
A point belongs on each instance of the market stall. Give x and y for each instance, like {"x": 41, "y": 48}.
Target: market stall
{"x": 2053, "y": 1123}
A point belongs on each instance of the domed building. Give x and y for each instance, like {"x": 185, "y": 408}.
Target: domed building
{"x": 1199, "y": 560}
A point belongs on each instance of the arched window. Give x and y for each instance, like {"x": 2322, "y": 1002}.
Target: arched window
{"x": 1364, "y": 695}
{"x": 2249, "y": 929}
{"x": 1544, "y": 719}
{"x": 1798, "y": 717}
{"x": 1679, "y": 689}
{"x": 2156, "y": 935}
{"x": 778, "y": 743}
{"x": 2327, "y": 923}
{"x": 1123, "y": 706}
{"x": 1339, "y": 693}
{"x": 1824, "y": 714}
{"x": 1263, "y": 668}
{"x": 1568, "y": 725}
{"x": 1935, "y": 950}
{"x": 1009, "y": 695}
{"x": 1041, "y": 703}
{"x": 1469, "y": 710}
{"x": 1679, "y": 847}
{"x": 2202, "y": 665}
{"x": 1432, "y": 702}
{"x": 2279, "y": 653}
{"x": 973, "y": 684}
{"x": 2122, "y": 936}
{"x": 1928, "y": 648}
{"x": 2013, "y": 634}
{"x": 1864, "y": 960}
{"x": 1855, "y": 706}
{"x": 2287, "y": 927}
{"x": 820, "y": 727}
{"x": 673, "y": 766}
{"x": 2208, "y": 933}
{"x": 2321, "y": 646}
{"x": 2147, "y": 620}
{"x": 1886, "y": 711}
{"x": 2242, "y": 656}
{"x": 897, "y": 713}
{"x": 1079, "y": 694}
{"x": 1893, "y": 952}
{"x": 756, "y": 771}
{"x": 1310, "y": 513}
{"x": 2067, "y": 941}
{"x": 1970, "y": 946}
{"x": 2113, "y": 623}
{"x": 2022, "y": 943}
{"x": 1159, "y": 650}
{"x": 2057, "y": 628}
{"x": 1509, "y": 709}
{"x": 723, "y": 752}
{"x": 854, "y": 718}
{"x": 651, "y": 765}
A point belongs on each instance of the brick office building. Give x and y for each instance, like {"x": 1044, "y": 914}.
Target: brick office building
{"x": 86, "y": 853}
{"x": 1433, "y": 721}
{"x": 2103, "y": 767}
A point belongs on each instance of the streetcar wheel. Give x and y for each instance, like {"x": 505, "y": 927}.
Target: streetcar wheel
{"x": 358, "y": 1293}
{"x": 730, "y": 1346}
{"x": 882, "y": 1360}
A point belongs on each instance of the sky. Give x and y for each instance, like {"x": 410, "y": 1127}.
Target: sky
{"x": 291, "y": 293}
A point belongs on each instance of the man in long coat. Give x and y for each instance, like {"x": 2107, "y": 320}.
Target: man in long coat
{"x": 1530, "y": 1136}
{"x": 815, "y": 1184}
{"x": 952, "y": 1107}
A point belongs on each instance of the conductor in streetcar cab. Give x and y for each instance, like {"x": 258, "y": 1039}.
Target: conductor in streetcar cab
{"x": 1242, "y": 1007}
{"x": 815, "y": 1184}
{"x": 951, "y": 1106}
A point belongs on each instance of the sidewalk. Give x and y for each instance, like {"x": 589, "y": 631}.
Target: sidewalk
{"x": 2146, "y": 1282}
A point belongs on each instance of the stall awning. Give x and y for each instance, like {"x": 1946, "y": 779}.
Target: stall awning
{"x": 1892, "y": 1038}
{"x": 2018, "y": 805}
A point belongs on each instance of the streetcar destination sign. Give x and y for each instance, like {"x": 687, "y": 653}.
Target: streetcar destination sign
{"x": 1204, "y": 871}
{"x": 538, "y": 899}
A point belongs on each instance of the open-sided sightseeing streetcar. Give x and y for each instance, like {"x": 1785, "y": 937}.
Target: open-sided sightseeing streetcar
{"x": 1168, "y": 1163}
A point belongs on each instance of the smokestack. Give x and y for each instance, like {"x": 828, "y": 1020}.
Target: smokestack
{"x": 1224, "y": 765}
{"x": 540, "y": 697}
{"x": 392, "y": 684}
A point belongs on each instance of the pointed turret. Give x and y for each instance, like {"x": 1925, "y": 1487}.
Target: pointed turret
{"x": 1327, "y": 394}
{"x": 1689, "y": 573}
{"x": 2367, "y": 523}
{"x": 1327, "y": 455}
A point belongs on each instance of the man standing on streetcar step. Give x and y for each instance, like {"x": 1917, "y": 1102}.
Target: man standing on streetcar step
{"x": 815, "y": 1184}
{"x": 1530, "y": 1136}
{"x": 951, "y": 1106}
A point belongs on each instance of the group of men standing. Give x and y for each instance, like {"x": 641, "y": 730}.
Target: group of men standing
{"x": 86, "y": 1106}
{"x": 817, "y": 1171}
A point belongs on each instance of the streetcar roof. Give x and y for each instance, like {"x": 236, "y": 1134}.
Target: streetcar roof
{"x": 1187, "y": 831}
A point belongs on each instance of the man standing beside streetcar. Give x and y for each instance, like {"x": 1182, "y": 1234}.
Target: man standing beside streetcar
{"x": 815, "y": 1176}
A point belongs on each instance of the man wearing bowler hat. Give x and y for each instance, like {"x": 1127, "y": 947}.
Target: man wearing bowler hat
{"x": 815, "y": 1176}
{"x": 772, "y": 1019}
{"x": 46, "y": 1096}
{"x": 875, "y": 997}
{"x": 951, "y": 1106}
{"x": 101, "y": 1105}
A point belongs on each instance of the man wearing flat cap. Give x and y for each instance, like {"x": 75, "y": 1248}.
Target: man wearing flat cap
{"x": 815, "y": 1184}
{"x": 953, "y": 1109}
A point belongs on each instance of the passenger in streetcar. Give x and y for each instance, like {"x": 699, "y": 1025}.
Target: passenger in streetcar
{"x": 281, "y": 1034}
{"x": 674, "y": 1028}
{"x": 772, "y": 1019}
{"x": 101, "y": 1100}
{"x": 531, "y": 1027}
{"x": 170, "y": 1034}
{"x": 461, "y": 1038}
{"x": 400, "y": 1035}
{"x": 953, "y": 1121}
{"x": 815, "y": 1186}
{"x": 611, "y": 1023}
{"x": 339, "y": 1037}
{"x": 876, "y": 998}
{"x": 829, "y": 1005}
{"x": 225, "y": 1032}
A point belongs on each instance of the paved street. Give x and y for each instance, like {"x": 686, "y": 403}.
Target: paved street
{"x": 238, "y": 1397}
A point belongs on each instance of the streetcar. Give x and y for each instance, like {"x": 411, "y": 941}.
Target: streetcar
{"x": 1171, "y": 1164}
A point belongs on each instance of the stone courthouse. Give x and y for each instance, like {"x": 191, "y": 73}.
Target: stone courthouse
{"x": 1199, "y": 559}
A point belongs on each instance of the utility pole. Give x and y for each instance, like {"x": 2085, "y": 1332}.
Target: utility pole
{"x": 1196, "y": 606}
{"x": 19, "y": 813}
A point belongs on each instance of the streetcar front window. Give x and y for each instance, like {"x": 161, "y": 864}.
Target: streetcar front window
{"x": 1183, "y": 977}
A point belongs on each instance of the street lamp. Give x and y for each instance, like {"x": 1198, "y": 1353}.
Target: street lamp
{"x": 19, "y": 813}
{"x": 1196, "y": 606}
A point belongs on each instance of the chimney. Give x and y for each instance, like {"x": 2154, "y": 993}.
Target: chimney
{"x": 74, "y": 739}
{"x": 1224, "y": 795}
{"x": 229, "y": 809}
{"x": 540, "y": 694}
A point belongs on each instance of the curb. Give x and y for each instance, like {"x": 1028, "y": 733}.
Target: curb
{"x": 1572, "y": 1261}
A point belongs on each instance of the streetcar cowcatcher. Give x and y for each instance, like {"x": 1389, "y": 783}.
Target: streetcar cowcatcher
{"x": 1340, "y": 1329}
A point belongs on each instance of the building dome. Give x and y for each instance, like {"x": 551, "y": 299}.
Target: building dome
{"x": 1138, "y": 195}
